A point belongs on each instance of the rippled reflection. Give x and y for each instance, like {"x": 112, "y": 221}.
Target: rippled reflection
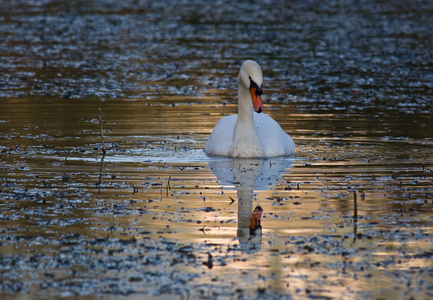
{"x": 247, "y": 176}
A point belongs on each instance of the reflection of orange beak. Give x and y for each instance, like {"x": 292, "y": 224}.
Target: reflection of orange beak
{"x": 256, "y": 218}
{"x": 257, "y": 100}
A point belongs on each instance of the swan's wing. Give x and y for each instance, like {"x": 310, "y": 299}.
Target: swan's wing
{"x": 221, "y": 137}
{"x": 274, "y": 140}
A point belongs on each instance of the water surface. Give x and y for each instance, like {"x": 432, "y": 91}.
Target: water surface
{"x": 349, "y": 216}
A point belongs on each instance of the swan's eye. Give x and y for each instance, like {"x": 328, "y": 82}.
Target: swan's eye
{"x": 254, "y": 85}
{"x": 259, "y": 91}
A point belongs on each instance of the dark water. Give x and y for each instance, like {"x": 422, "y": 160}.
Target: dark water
{"x": 349, "y": 216}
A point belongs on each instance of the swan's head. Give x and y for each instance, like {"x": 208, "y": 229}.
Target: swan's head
{"x": 252, "y": 77}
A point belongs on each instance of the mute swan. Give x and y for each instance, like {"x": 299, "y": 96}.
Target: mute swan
{"x": 249, "y": 134}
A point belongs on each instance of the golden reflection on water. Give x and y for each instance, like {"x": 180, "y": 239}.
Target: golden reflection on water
{"x": 158, "y": 184}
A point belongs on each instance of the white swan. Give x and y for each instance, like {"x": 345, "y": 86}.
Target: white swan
{"x": 249, "y": 134}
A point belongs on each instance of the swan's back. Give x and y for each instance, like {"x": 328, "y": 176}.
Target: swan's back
{"x": 221, "y": 138}
{"x": 274, "y": 140}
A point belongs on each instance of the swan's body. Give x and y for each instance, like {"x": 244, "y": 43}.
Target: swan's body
{"x": 249, "y": 134}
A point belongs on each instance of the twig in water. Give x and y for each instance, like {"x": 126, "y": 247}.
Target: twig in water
{"x": 134, "y": 189}
{"x": 355, "y": 207}
{"x": 101, "y": 132}
{"x": 209, "y": 262}
{"x": 355, "y": 216}
{"x": 168, "y": 187}
{"x": 204, "y": 229}
{"x": 101, "y": 168}
{"x": 103, "y": 146}
{"x": 67, "y": 155}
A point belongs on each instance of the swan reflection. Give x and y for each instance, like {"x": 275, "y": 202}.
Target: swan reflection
{"x": 248, "y": 175}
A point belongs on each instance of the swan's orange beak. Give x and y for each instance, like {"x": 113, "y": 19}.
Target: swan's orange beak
{"x": 256, "y": 218}
{"x": 257, "y": 100}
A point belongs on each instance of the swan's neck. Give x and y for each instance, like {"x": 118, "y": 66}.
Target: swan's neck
{"x": 245, "y": 105}
{"x": 246, "y": 142}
